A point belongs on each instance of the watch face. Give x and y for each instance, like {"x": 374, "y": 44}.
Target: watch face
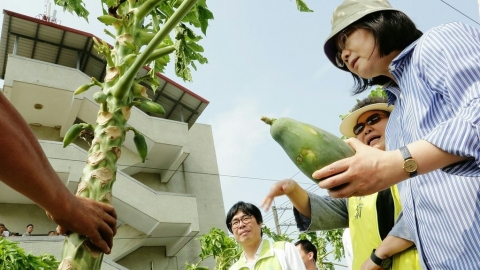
{"x": 410, "y": 165}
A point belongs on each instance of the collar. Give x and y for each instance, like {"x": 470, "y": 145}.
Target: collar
{"x": 396, "y": 67}
{"x": 265, "y": 250}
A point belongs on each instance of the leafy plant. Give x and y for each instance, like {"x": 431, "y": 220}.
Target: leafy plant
{"x": 377, "y": 92}
{"x": 274, "y": 236}
{"x": 14, "y": 257}
{"x": 220, "y": 246}
{"x": 226, "y": 251}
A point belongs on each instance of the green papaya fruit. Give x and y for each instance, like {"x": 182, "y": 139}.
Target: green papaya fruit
{"x": 141, "y": 145}
{"x": 309, "y": 147}
{"x": 72, "y": 134}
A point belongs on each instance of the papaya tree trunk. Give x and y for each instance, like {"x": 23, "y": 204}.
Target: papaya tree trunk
{"x": 119, "y": 92}
{"x": 98, "y": 177}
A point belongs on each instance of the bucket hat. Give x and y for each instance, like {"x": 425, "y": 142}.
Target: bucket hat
{"x": 346, "y": 127}
{"x": 347, "y": 13}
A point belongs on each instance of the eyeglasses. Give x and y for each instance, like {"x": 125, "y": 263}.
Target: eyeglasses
{"x": 371, "y": 120}
{"x": 339, "y": 60}
{"x": 245, "y": 219}
{"x": 341, "y": 40}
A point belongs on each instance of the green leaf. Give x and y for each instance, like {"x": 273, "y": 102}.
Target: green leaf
{"x": 14, "y": 257}
{"x": 187, "y": 51}
{"x": 195, "y": 47}
{"x": 378, "y": 92}
{"x": 74, "y": 7}
{"x": 302, "y": 6}
{"x": 203, "y": 16}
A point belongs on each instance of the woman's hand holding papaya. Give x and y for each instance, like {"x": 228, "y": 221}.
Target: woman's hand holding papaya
{"x": 370, "y": 170}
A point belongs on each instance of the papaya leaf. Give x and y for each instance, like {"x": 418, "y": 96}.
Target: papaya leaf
{"x": 203, "y": 16}
{"x": 76, "y": 7}
{"x": 302, "y": 6}
{"x": 187, "y": 51}
{"x": 378, "y": 92}
{"x": 111, "y": 3}
{"x": 192, "y": 18}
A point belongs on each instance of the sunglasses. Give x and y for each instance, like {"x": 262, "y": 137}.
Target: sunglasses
{"x": 371, "y": 120}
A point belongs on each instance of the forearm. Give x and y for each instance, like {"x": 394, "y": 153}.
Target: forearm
{"x": 300, "y": 201}
{"x": 25, "y": 167}
{"x": 428, "y": 157}
{"x": 392, "y": 245}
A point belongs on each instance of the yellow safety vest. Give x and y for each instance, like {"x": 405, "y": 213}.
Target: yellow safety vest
{"x": 364, "y": 231}
{"x": 268, "y": 259}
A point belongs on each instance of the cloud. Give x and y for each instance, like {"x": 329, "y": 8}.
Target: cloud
{"x": 237, "y": 134}
{"x": 323, "y": 70}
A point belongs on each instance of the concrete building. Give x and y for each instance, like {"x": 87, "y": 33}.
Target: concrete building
{"x": 162, "y": 204}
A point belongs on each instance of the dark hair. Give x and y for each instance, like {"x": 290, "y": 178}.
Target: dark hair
{"x": 369, "y": 101}
{"x": 29, "y": 225}
{"x": 246, "y": 208}
{"x": 392, "y": 31}
{"x": 307, "y": 246}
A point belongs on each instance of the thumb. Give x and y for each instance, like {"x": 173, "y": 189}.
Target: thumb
{"x": 355, "y": 144}
{"x": 61, "y": 230}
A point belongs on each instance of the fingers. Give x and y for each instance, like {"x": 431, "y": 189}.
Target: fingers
{"x": 278, "y": 189}
{"x": 266, "y": 203}
{"x": 342, "y": 191}
{"x": 94, "y": 220}
{"x": 355, "y": 143}
{"x": 103, "y": 239}
{"x": 110, "y": 219}
{"x": 109, "y": 210}
{"x": 327, "y": 174}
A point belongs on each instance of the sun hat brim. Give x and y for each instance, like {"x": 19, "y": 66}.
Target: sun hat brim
{"x": 346, "y": 14}
{"x": 346, "y": 127}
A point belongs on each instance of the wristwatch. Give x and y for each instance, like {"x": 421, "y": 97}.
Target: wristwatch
{"x": 384, "y": 263}
{"x": 409, "y": 164}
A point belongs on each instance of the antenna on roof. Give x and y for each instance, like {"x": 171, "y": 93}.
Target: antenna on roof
{"x": 46, "y": 16}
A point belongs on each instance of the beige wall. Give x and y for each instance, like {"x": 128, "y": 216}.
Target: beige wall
{"x": 198, "y": 176}
{"x": 150, "y": 258}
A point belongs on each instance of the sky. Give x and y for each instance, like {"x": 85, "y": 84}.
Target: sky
{"x": 266, "y": 58}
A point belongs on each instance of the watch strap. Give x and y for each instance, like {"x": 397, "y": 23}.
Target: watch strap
{"x": 406, "y": 156}
{"x": 384, "y": 263}
{"x": 405, "y": 153}
{"x": 376, "y": 259}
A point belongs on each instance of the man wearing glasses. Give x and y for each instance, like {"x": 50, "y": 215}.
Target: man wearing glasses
{"x": 245, "y": 221}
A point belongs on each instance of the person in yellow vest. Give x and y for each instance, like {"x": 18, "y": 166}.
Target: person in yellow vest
{"x": 245, "y": 221}
{"x": 379, "y": 240}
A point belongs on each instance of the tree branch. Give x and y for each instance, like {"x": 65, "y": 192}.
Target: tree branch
{"x": 159, "y": 53}
{"x": 126, "y": 81}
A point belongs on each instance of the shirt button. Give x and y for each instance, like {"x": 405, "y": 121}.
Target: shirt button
{"x": 391, "y": 68}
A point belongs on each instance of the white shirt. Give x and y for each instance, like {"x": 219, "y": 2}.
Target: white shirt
{"x": 347, "y": 247}
{"x": 289, "y": 257}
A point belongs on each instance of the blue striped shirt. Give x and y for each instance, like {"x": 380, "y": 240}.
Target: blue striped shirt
{"x": 438, "y": 100}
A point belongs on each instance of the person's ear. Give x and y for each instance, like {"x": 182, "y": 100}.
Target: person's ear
{"x": 310, "y": 256}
